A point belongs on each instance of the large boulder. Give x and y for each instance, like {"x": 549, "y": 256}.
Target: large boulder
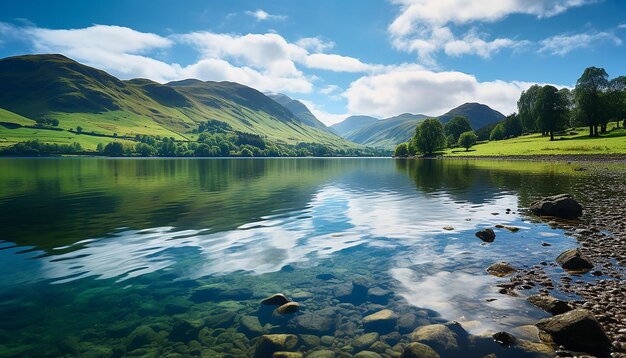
{"x": 383, "y": 321}
{"x": 550, "y": 304}
{"x": 576, "y": 330}
{"x": 574, "y": 260}
{"x": 270, "y": 343}
{"x": 438, "y": 336}
{"x": 560, "y": 206}
{"x": 418, "y": 350}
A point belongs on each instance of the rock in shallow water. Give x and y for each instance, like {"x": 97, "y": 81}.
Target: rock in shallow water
{"x": 550, "y": 304}
{"x": 487, "y": 235}
{"x": 504, "y": 338}
{"x": 364, "y": 341}
{"x": 287, "y": 308}
{"x": 577, "y": 330}
{"x": 277, "y": 299}
{"x": 574, "y": 260}
{"x": 418, "y": 350}
{"x": 438, "y": 336}
{"x": 501, "y": 269}
{"x": 383, "y": 321}
{"x": 270, "y": 343}
{"x": 561, "y": 206}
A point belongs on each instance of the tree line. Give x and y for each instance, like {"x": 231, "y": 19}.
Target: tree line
{"x": 595, "y": 102}
{"x": 215, "y": 139}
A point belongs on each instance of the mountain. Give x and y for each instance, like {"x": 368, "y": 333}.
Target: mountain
{"x": 299, "y": 110}
{"x": 352, "y": 123}
{"x": 56, "y": 87}
{"x": 389, "y": 132}
{"x": 479, "y": 115}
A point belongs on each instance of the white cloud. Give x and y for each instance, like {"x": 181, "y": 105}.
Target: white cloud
{"x": 315, "y": 44}
{"x": 330, "y": 89}
{"x": 423, "y": 26}
{"x": 563, "y": 44}
{"x": 414, "y": 90}
{"x": 338, "y": 63}
{"x": 621, "y": 26}
{"x": 261, "y": 15}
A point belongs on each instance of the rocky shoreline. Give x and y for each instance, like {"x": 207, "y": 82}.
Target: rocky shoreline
{"x": 601, "y": 235}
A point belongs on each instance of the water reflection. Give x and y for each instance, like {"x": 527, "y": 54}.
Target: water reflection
{"x": 125, "y": 223}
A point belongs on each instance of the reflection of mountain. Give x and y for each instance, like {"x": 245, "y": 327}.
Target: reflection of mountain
{"x": 51, "y": 203}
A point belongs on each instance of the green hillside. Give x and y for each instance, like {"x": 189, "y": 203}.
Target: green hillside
{"x": 54, "y": 87}
{"x": 352, "y": 124}
{"x": 387, "y": 133}
{"x": 299, "y": 110}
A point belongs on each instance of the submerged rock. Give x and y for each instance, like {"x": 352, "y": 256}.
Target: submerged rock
{"x": 378, "y": 295}
{"x": 504, "y": 338}
{"x": 383, "y": 321}
{"x": 325, "y": 276}
{"x": 287, "y": 308}
{"x": 438, "y": 336}
{"x": 251, "y": 326}
{"x": 364, "y": 341}
{"x": 561, "y": 206}
{"x": 487, "y": 235}
{"x": 353, "y": 293}
{"x": 268, "y": 344}
{"x": 418, "y": 350}
{"x": 287, "y": 355}
{"x": 550, "y": 304}
{"x": 141, "y": 336}
{"x": 317, "y": 322}
{"x": 277, "y": 299}
{"x": 184, "y": 331}
{"x": 367, "y": 354}
{"x": 574, "y": 260}
{"x": 221, "y": 320}
{"x": 321, "y": 354}
{"x": 577, "y": 330}
{"x": 501, "y": 269}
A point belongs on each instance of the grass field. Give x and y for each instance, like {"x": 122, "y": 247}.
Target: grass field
{"x": 612, "y": 142}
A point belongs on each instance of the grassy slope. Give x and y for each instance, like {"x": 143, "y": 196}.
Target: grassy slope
{"x": 53, "y": 86}
{"x": 613, "y": 142}
{"x": 387, "y": 133}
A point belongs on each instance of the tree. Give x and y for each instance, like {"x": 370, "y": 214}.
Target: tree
{"x": 54, "y": 122}
{"x": 513, "y": 126}
{"x": 79, "y": 129}
{"x": 617, "y": 99}
{"x": 245, "y": 152}
{"x": 114, "y": 149}
{"x": 587, "y": 95}
{"x": 550, "y": 108}
{"x": 526, "y": 108}
{"x": 145, "y": 150}
{"x": 498, "y": 132}
{"x": 402, "y": 150}
{"x": 100, "y": 148}
{"x": 429, "y": 136}
{"x": 467, "y": 139}
{"x": 456, "y": 126}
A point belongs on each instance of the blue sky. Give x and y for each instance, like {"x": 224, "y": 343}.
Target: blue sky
{"x": 378, "y": 58}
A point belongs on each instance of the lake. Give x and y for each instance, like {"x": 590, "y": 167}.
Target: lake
{"x": 113, "y": 257}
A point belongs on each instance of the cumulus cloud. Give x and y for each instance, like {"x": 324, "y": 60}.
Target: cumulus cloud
{"x": 315, "y": 44}
{"x": 338, "y": 63}
{"x": 423, "y": 26}
{"x": 416, "y": 90}
{"x": 330, "y": 89}
{"x": 563, "y": 44}
{"x": 261, "y": 15}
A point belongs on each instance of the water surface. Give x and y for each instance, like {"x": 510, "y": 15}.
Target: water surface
{"x": 94, "y": 248}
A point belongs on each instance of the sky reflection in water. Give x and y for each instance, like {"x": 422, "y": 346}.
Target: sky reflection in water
{"x": 430, "y": 267}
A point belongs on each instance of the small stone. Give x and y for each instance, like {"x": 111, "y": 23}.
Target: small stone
{"x": 382, "y": 321}
{"x": 418, "y": 350}
{"x": 287, "y": 355}
{"x": 504, "y": 339}
{"x": 287, "y": 308}
{"x": 277, "y": 299}
{"x": 251, "y": 325}
{"x": 487, "y": 235}
{"x": 367, "y": 354}
{"x": 364, "y": 341}
{"x": 501, "y": 269}
{"x": 574, "y": 260}
{"x": 550, "y": 304}
{"x": 321, "y": 354}
{"x": 268, "y": 344}
{"x": 448, "y": 228}
{"x": 438, "y": 336}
